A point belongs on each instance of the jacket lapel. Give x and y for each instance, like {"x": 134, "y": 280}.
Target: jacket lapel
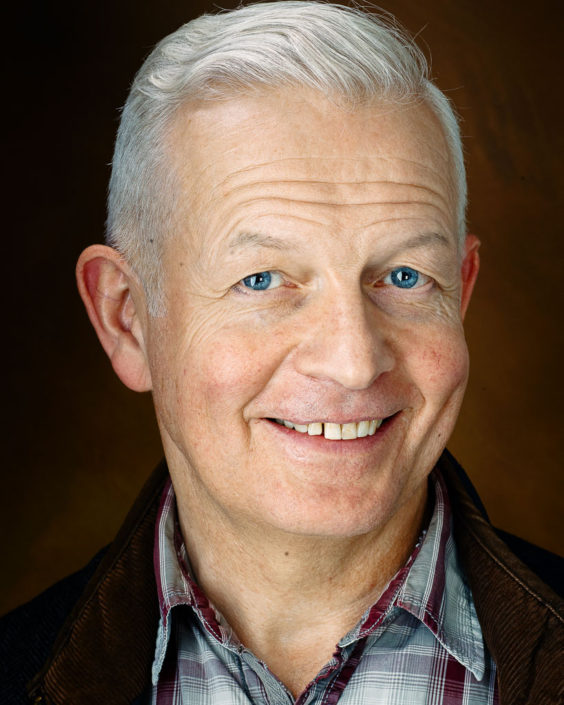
{"x": 104, "y": 651}
{"x": 520, "y": 616}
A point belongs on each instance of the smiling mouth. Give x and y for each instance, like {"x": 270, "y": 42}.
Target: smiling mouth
{"x": 336, "y": 431}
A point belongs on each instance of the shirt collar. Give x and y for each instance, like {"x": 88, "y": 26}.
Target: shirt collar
{"x": 430, "y": 586}
{"x": 436, "y": 591}
{"x": 176, "y": 584}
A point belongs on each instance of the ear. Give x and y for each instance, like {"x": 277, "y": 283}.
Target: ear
{"x": 469, "y": 271}
{"x": 115, "y": 303}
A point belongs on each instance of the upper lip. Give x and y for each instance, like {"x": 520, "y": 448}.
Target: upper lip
{"x": 332, "y": 418}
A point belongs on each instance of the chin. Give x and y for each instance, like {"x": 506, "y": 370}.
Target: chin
{"x": 334, "y": 514}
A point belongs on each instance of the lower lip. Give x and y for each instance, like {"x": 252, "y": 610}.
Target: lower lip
{"x": 353, "y": 445}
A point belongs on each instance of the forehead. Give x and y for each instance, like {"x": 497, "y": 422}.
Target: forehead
{"x": 282, "y": 142}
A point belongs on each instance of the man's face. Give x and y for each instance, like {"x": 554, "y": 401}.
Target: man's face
{"x": 314, "y": 279}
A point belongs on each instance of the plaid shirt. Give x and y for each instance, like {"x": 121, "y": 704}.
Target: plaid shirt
{"x": 421, "y": 642}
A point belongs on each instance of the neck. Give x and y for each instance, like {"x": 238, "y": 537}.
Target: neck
{"x": 291, "y": 598}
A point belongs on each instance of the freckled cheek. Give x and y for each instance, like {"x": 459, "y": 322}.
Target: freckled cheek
{"x": 440, "y": 363}
{"x": 229, "y": 369}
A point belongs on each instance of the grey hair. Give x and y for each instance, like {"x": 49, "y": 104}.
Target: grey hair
{"x": 334, "y": 49}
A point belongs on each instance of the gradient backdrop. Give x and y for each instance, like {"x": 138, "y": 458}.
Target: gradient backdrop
{"x": 79, "y": 445}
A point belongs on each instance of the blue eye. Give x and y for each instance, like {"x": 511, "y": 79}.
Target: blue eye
{"x": 404, "y": 278}
{"x": 262, "y": 280}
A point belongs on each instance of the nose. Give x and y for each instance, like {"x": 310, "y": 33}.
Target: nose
{"x": 345, "y": 342}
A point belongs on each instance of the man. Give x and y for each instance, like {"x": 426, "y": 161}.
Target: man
{"x": 287, "y": 271}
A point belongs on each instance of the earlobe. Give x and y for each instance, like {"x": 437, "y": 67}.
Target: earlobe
{"x": 469, "y": 271}
{"x": 114, "y": 301}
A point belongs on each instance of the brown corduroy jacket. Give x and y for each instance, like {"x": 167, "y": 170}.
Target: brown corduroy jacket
{"x": 104, "y": 652}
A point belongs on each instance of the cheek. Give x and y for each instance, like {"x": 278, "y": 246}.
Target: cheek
{"x": 440, "y": 363}
{"x": 447, "y": 365}
{"x": 226, "y": 369}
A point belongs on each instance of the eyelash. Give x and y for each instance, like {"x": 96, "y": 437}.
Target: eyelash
{"x": 421, "y": 280}
{"x": 267, "y": 276}
{"x": 242, "y": 289}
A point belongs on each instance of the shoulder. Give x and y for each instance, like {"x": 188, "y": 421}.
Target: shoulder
{"x": 27, "y": 633}
{"x": 547, "y": 565}
{"x": 528, "y": 566}
{"x": 515, "y": 587}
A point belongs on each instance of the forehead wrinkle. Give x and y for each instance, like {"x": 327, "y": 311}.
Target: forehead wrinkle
{"x": 287, "y": 216}
{"x": 438, "y": 235}
{"x": 246, "y": 239}
{"x": 230, "y": 185}
{"x": 331, "y": 207}
{"x": 325, "y": 216}
{"x": 416, "y": 240}
{"x": 333, "y": 185}
{"x": 293, "y": 160}
{"x": 325, "y": 222}
{"x": 358, "y": 161}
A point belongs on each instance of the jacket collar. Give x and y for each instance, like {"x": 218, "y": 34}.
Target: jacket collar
{"x": 521, "y": 617}
{"x": 104, "y": 651}
{"x": 112, "y": 629}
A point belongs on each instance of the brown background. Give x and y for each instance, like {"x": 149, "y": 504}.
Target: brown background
{"x": 79, "y": 445}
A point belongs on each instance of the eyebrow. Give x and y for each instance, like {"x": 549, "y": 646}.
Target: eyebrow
{"x": 245, "y": 240}
{"x": 248, "y": 239}
{"x": 426, "y": 239}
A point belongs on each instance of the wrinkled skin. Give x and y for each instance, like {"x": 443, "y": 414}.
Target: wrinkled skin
{"x": 330, "y": 201}
{"x": 292, "y": 537}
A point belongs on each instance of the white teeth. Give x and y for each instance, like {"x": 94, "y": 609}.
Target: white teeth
{"x": 335, "y": 431}
{"x": 374, "y": 426}
{"x": 349, "y": 431}
{"x": 332, "y": 431}
{"x": 362, "y": 429}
